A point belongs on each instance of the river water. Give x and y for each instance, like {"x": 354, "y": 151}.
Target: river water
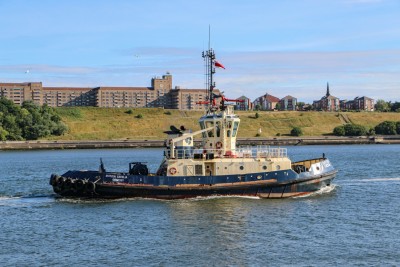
{"x": 354, "y": 222}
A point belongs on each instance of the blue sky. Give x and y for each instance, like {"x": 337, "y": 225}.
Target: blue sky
{"x": 284, "y": 47}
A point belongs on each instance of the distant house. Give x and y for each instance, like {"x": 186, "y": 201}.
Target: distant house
{"x": 245, "y": 105}
{"x": 364, "y": 103}
{"x": 359, "y": 103}
{"x": 327, "y": 102}
{"x": 346, "y": 104}
{"x": 266, "y": 102}
{"x": 288, "y": 103}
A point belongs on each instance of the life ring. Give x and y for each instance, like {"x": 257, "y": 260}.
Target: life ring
{"x": 172, "y": 170}
{"x": 218, "y": 145}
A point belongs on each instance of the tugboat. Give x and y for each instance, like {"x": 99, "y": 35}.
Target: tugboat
{"x": 217, "y": 168}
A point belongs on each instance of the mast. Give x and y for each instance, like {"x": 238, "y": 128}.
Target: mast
{"x": 209, "y": 57}
{"x": 210, "y": 64}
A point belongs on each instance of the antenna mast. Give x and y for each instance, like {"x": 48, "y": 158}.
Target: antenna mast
{"x": 209, "y": 57}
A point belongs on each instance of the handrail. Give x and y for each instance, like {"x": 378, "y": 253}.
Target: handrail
{"x": 241, "y": 152}
{"x": 183, "y": 137}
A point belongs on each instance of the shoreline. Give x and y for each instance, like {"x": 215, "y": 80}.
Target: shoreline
{"x": 272, "y": 141}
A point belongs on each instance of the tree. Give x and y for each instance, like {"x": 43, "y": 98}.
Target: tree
{"x": 296, "y": 131}
{"x": 308, "y": 107}
{"x": 398, "y": 127}
{"x": 350, "y": 130}
{"x": 386, "y": 128}
{"x": 371, "y": 132}
{"x": 355, "y": 130}
{"x": 395, "y": 107}
{"x": 3, "y": 134}
{"x": 28, "y": 121}
{"x": 7, "y": 106}
{"x": 11, "y": 126}
{"x": 300, "y": 105}
{"x": 339, "y": 131}
{"x": 382, "y": 105}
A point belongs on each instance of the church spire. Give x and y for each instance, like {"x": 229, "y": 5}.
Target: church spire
{"x": 327, "y": 89}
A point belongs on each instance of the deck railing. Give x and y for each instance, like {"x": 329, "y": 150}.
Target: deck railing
{"x": 261, "y": 152}
{"x": 241, "y": 152}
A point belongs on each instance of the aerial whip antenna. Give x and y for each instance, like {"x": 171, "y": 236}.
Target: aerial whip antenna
{"x": 209, "y": 36}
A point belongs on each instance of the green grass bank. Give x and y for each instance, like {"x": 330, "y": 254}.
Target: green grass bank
{"x": 150, "y": 123}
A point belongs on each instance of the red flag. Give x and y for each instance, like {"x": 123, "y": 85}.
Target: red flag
{"x": 218, "y": 65}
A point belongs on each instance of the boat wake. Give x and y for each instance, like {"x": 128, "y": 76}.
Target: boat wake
{"x": 324, "y": 190}
{"x": 5, "y": 198}
{"x": 32, "y": 199}
{"x": 18, "y": 201}
{"x": 102, "y": 200}
{"x": 372, "y": 180}
{"x": 76, "y": 200}
{"x": 379, "y": 179}
{"x": 200, "y": 198}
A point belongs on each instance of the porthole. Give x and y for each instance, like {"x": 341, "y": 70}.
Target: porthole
{"x": 278, "y": 167}
{"x": 241, "y": 167}
{"x": 264, "y": 167}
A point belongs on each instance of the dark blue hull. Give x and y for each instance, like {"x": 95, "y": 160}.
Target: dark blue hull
{"x": 279, "y": 184}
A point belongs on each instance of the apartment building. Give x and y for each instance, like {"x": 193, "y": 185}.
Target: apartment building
{"x": 266, "y": 102}
{"x": 160, "y": 94}
{"x": 20, "y": 92}
{"x": 68, "y": 96}
{"x": 359, "y": 103}
{"x": 288, "y": 103}
{"x": 246, "y": 103}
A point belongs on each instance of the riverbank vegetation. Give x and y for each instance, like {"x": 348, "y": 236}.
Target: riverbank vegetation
{"x": 29, "y": 121}
{"x": 92, "y": 123}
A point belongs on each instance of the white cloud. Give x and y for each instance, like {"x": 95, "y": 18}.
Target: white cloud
{"x": 300, "y": 74}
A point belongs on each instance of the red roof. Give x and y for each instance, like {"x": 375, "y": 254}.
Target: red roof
{"x": 271, "y": 98}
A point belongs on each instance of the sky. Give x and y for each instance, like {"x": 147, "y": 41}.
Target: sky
{"x": 279, "y": 47}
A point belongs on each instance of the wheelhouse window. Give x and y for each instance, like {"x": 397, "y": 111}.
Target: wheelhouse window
{"x": 235, "y": 128}
{"x": 202, "y": 126}
{"x": 208, "y": 125}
